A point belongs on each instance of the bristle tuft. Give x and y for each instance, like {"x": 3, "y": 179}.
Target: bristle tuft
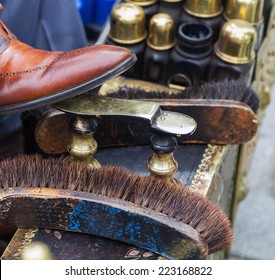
{"x": 177, "y": 202}
{"x": 224, "y": 90}
{"x": 190, "y": 208}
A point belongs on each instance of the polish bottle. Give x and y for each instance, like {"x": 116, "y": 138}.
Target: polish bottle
{"x": 160, "y": 41}
{"x": 127, "y": 29}
{"x": 190, "y": 58}
{"x": 207, "y": 11}
{"x": 249, "y": 10}
{"x": 234, "y": 52}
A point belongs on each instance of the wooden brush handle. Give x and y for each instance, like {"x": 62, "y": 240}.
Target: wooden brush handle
{"x": 101, "y": 216}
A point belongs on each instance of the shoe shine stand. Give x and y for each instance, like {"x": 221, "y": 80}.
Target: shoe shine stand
{"x": 201, "y": 167}
{"x": 209, "y": 169}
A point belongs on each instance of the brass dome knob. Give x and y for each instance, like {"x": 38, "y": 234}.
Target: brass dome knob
{"x": 249, "y": 10}
{"x": 161, "y": 34}
{"x": 127, "y": 24}
{"x": 203, "y": 8}
{"x": 236, "y": 43}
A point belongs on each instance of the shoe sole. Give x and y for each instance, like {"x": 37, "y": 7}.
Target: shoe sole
{"x": 69, "y": 93}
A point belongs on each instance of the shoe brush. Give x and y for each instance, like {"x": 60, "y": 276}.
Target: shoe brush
{"x": 225, "y": 113}
{"x": 111, "y": 202}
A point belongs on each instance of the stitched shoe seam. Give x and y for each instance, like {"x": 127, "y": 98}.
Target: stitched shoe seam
{"x": 7, "y": 74}
{"x": 67, "y": 54}
{"x": 28, "y": 71}
{"x": 60, "y": 56}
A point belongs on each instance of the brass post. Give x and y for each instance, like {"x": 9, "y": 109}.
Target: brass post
{"x": 162, "y": 163}
{"x": 83, "y": 146}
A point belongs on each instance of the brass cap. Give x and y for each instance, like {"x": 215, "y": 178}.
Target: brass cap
{"x": 236, "y": 43}
{"x": 203, "y": 8}
{"x": 161, "y": 32}
{"x": 249, "y": 10}
{"x": 127, "y": 24}
{"x": 142, "y": 2}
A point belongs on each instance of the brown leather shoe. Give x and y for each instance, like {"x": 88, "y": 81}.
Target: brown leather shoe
{"x": 30, "y": 77}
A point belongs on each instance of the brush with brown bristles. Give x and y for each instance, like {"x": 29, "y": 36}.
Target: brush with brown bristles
{"x": 225, "y": 113}
{"x": 111, "y": 202}
{"x": 227, "y": 90}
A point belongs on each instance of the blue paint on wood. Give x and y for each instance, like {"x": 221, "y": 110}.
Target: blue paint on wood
{"x": 115, "y": 223}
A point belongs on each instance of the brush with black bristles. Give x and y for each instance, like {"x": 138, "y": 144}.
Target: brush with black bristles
{"x": 111, "y": 202}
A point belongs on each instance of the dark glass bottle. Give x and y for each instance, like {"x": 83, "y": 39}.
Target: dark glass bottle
{"x": 172, "y": 8}
{"x": 191, "y": 56}
{"x": 127, "y": 29}
{"x": 160, "y": 41}
{"x": 234, "y": 52}
{"x": 209, "y": 12}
